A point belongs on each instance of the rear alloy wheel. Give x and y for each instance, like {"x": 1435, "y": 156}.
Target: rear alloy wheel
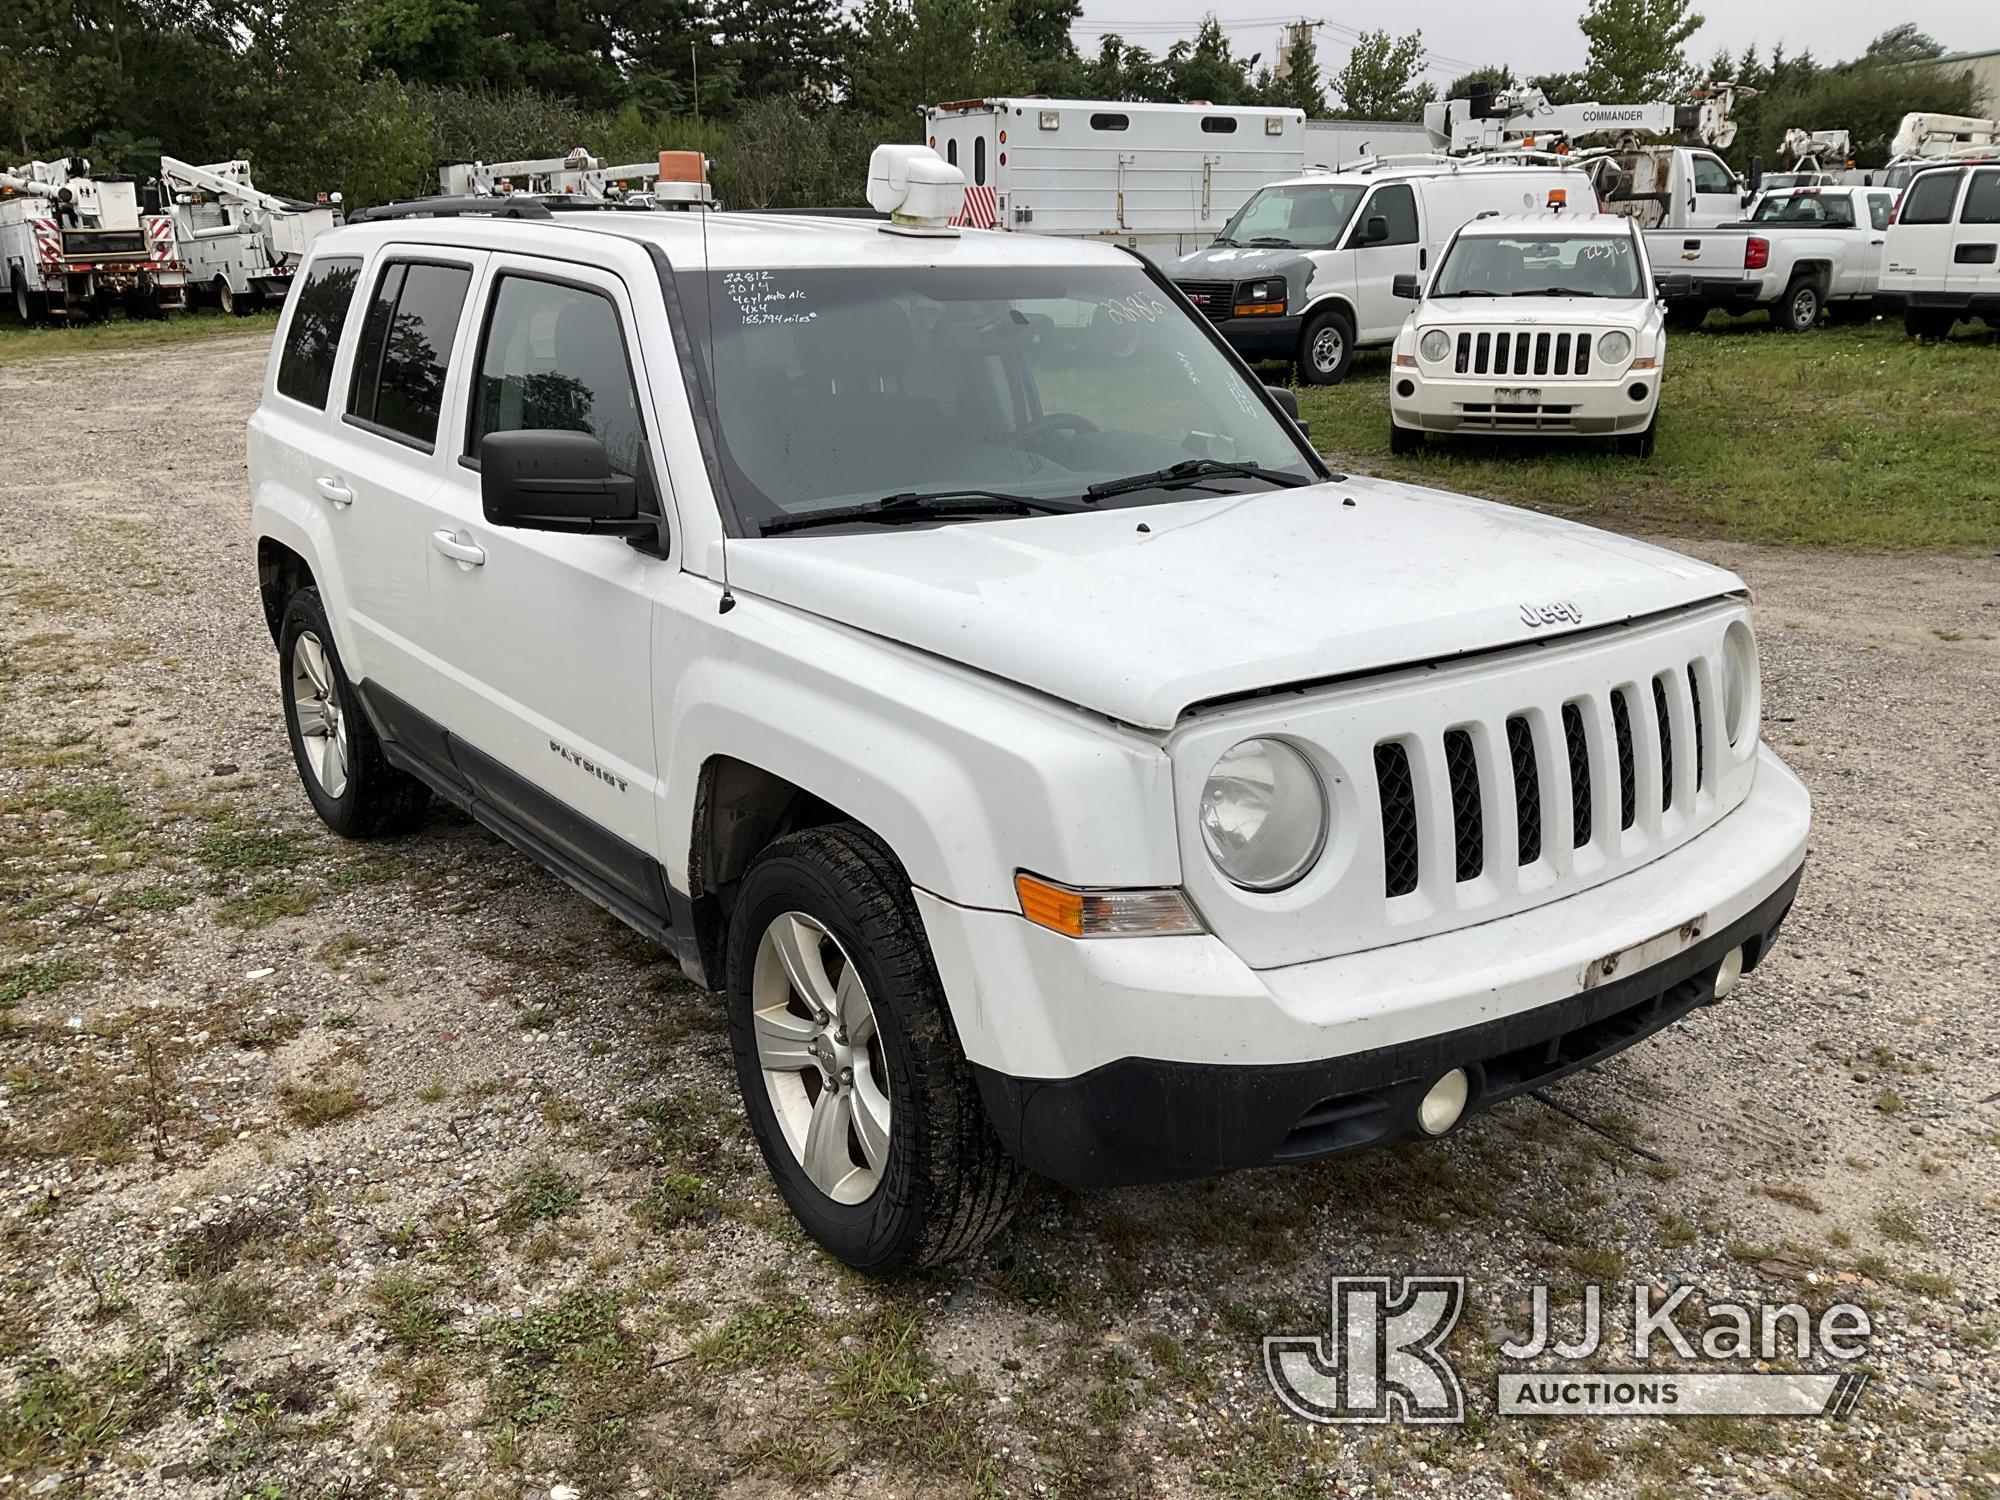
{"x": 853, "y": 1078}
{"x": 351, "y": 784}
{"x": 1326, "y": 348}
{"x": 1798, "y": 310}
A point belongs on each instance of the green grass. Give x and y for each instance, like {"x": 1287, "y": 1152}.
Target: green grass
{"x": 1850, "y": 436}
{"x": 18, "y": 343}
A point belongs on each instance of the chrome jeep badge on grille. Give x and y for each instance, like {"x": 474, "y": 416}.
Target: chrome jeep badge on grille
{"x": 1559, "y": 613}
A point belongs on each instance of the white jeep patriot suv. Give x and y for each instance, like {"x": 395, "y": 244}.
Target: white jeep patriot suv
{"x": 946, "y": 647}
{"x": 1535, "y": 325}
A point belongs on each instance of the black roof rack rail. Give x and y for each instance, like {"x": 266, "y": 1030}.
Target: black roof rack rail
{"x": 446, "y": 208}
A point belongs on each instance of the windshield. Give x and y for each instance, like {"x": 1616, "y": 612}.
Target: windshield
{"x": 842, "y": 387}
{"x": 1806, "y": 208}
{"x": 1539, "y": 265}
{"x": 1310, "y": 216}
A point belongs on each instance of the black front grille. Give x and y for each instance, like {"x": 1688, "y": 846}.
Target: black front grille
{"x": 1579, "y": 774}
{"x": 1700, "y": 749}
{"x": 1628, "y": 787}
{"x": 1399, "y": 818}
{"x": 1215, "y": 299}
{"x": 1468, "y": 831}
{"x": 1527, "y": 789}
{"x": 1517, "y": 353}
{"x": 1666, "y": 743}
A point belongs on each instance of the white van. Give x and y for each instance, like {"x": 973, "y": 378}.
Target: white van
{"x": 1941, "y": 259}
{"x": 1307, "y": 270}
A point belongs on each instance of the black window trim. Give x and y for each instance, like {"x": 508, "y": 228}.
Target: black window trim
{"x": 650, "y": 489}
{"x": 278, "y": 367}
{"x": 383, "y": 265}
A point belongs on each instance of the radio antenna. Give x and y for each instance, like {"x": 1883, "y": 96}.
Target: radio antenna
{"x": 728, "y": 601}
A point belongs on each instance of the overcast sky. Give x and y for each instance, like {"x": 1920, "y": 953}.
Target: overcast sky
{"x": 1463, "y": 34}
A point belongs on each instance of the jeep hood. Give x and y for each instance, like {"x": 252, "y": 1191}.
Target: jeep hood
{"x": 1221, "y": 595}
{"x": 1533, "y": 313}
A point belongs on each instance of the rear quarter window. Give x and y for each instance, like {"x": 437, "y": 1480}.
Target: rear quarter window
{"x": 1930, "y": 198}
{"x": 1982, "y": 200}
{"x": 312, "y": 339}
{"x": 405, "y": 348}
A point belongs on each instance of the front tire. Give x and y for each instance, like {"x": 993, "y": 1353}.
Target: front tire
{"x": 1404, "y": 439}
{"x": 1326, "y": 348}
{"x": 853, "y": 1079}
{"x": 1640, "y": 444}
{"x": 351, "y": 784}
{"x": 1798, "y": 310}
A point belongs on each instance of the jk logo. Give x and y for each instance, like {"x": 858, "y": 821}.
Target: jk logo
{"x": 1385, "y": 1358}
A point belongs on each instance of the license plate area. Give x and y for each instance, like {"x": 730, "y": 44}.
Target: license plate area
{"x": 1658, "y": 948}
{"x": 1517, "y": 395}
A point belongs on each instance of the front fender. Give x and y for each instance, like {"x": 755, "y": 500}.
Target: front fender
{"x": 968, "y": 779}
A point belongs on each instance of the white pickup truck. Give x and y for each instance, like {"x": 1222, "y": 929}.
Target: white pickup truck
{"x": 1800, "y": 251}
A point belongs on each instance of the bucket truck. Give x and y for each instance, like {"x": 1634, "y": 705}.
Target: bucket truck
{"x": 74, "y": 244}
{"x": 239, "y": 243}
{"x": 1663, "y": 185}
{"x": 1924, "y": 138}
{"x": 676, "y": 179}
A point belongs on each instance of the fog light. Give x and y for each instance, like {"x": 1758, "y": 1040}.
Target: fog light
{"x": 1406, "y": 388}
{"x": 1730, "y": 971}
{"x": 1638, "y": 390}
{"x": 1446, "y": 1101}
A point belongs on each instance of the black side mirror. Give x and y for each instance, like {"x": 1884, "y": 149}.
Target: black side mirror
{"x": 554, "y": 480}
{"x": 1756, "y": 177}
{"x": 1407, "y": 286}
{"x": 1375, "y": 230}
{"x": 1288, "y": 402}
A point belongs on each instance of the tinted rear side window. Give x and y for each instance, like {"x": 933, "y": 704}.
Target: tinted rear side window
{"x": 405, "y": 348}
{"x": 1879, "y": 205}
{"x": 1930, "y": 198}
{"x": 1982, "y": 200}
{"x": 554, "y": 357}
{"x": 305, "y": 369}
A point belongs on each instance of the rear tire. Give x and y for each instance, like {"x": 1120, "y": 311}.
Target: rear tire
{"x": 1799, "y": 309}
{"x": 225, "y": 299}
{"x": 1927, "y": 325}
{"x": 24, "y": 307}
{"x": 1686, "y": 316}
{"x": 1326, "y": 348}
{"x": 853, "y": 1079}
{"x": 1404, "y": 439}
{"x": 351, "y": 784}
{"x": 1640, "y": 444}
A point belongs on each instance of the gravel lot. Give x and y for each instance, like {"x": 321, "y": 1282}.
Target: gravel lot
{"x": 394, "y": 1169}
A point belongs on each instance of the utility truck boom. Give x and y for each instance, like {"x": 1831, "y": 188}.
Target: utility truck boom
{"x": 74, "y": 243}
{"x": 239, "y": 243}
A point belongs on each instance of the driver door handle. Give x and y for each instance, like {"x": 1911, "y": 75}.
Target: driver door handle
{"x": 332, "y": 489}
{"x": 456, "y": 550}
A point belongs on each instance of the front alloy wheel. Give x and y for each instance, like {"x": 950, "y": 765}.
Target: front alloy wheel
{"x": 820, "y": 1052}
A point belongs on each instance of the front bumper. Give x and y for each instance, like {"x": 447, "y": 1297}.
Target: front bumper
{"x": 1261, "y": 338}
{"x": 1150, "y": 1059}
{"x": 1564, "y": 406}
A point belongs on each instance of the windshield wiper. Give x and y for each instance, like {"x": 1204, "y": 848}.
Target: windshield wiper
{"x": 913, "y": 505}
{"x": 1190, "y": 471}
{"x": 1470, "y": 292}
{"x": 1557, "y": 291}
{"x": 1271, "y": 239}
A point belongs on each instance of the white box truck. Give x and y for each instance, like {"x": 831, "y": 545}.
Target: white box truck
{"x": 1162, "y": 178}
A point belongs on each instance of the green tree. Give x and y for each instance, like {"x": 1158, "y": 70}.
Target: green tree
{"x": 1638, "y": 48}
{"x": 1380, "y": 80}
{"x": 424, "y": 41}
{"x": 1903, "y": 44}
{"x": 1487, "y": 80}
{"x": 1301, "y": 87}
{"x": 1206, "y": 68}
{"x": 904, "y": 54}
{"x": 1124, "y": 70}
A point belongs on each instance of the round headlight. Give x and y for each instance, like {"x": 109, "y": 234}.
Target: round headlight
{"x": 1614, "y": 347}
{"x": 1263, "y": 814}
{"x": 1435, "y": 345}
{"x": 1739, "y": 680}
